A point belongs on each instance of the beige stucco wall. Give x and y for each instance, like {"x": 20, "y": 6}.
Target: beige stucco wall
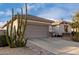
{"x": 34, "y": 28}
{"x": 14, "y": 24}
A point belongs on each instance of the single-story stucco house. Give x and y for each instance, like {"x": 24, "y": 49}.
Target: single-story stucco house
{"x": 37, "y": 27}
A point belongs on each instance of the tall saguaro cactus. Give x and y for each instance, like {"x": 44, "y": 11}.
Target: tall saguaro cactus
{"x": 15, "y": 37}
{"x": 7, "y": 35}
{"x": 10, "y": 35}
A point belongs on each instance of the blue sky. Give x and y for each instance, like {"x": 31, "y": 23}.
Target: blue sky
{"x": 53, "y": 10}
{"x": 45, "y": 10}
{"x": 5, "y": 10}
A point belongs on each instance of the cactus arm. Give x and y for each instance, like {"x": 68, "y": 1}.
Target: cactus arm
{"x": 25, "y": 20}
{"x": 7, "y": 34}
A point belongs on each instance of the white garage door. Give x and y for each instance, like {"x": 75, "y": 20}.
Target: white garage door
{"x": 36, "y": 31}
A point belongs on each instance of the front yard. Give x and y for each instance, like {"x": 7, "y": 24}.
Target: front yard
{"x": 16, "y": 51}
{"x": 44, "y": 46}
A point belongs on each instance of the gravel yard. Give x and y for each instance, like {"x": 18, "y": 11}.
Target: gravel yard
{"x": 16, "y": 51}
{"x": 44, "y": 46}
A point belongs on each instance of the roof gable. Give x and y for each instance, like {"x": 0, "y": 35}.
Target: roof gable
{"x": 30, "y": 17}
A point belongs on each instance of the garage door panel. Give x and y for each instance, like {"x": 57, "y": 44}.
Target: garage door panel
{"x": 37, "y": 31}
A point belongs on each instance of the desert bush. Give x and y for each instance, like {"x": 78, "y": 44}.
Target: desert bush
{"x": 3, "y": 41}
{"x": 75, "y": 37}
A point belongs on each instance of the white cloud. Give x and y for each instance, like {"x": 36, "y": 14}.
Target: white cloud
{"x": 31, "y": 7}
{"x": 52, "y": 12}
{"x": 68, "y": 20}
{"x": 18, "y": 10}
{"x": 2, "y": 13}
{"x": 56, "y": 13}
{"x": 2, "y": 23}
{"x": 35, "y": 7}
{"x": 4, "y": 16}
{"x": 8, "y": 12}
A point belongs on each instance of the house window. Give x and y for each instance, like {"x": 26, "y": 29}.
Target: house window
{"x": 50, "y": 29}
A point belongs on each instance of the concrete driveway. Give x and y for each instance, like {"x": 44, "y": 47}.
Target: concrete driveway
{"x": 58, "y": 46}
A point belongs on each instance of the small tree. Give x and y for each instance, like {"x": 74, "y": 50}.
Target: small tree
{"x": 75, "y": 26}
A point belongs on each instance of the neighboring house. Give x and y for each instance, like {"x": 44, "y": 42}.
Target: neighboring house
{"x": 61, "y": 28}
{"x": 36, "y": 27}
{"x": 2, "y": 31}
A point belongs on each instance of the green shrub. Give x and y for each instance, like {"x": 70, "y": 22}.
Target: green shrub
{"x": 76, "y": 37}
{"x": 3, "y": 41}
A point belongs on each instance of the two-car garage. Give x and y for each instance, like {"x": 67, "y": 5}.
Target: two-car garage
{"x": 37, "y": 27}
{"x": 36, "y": 31}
